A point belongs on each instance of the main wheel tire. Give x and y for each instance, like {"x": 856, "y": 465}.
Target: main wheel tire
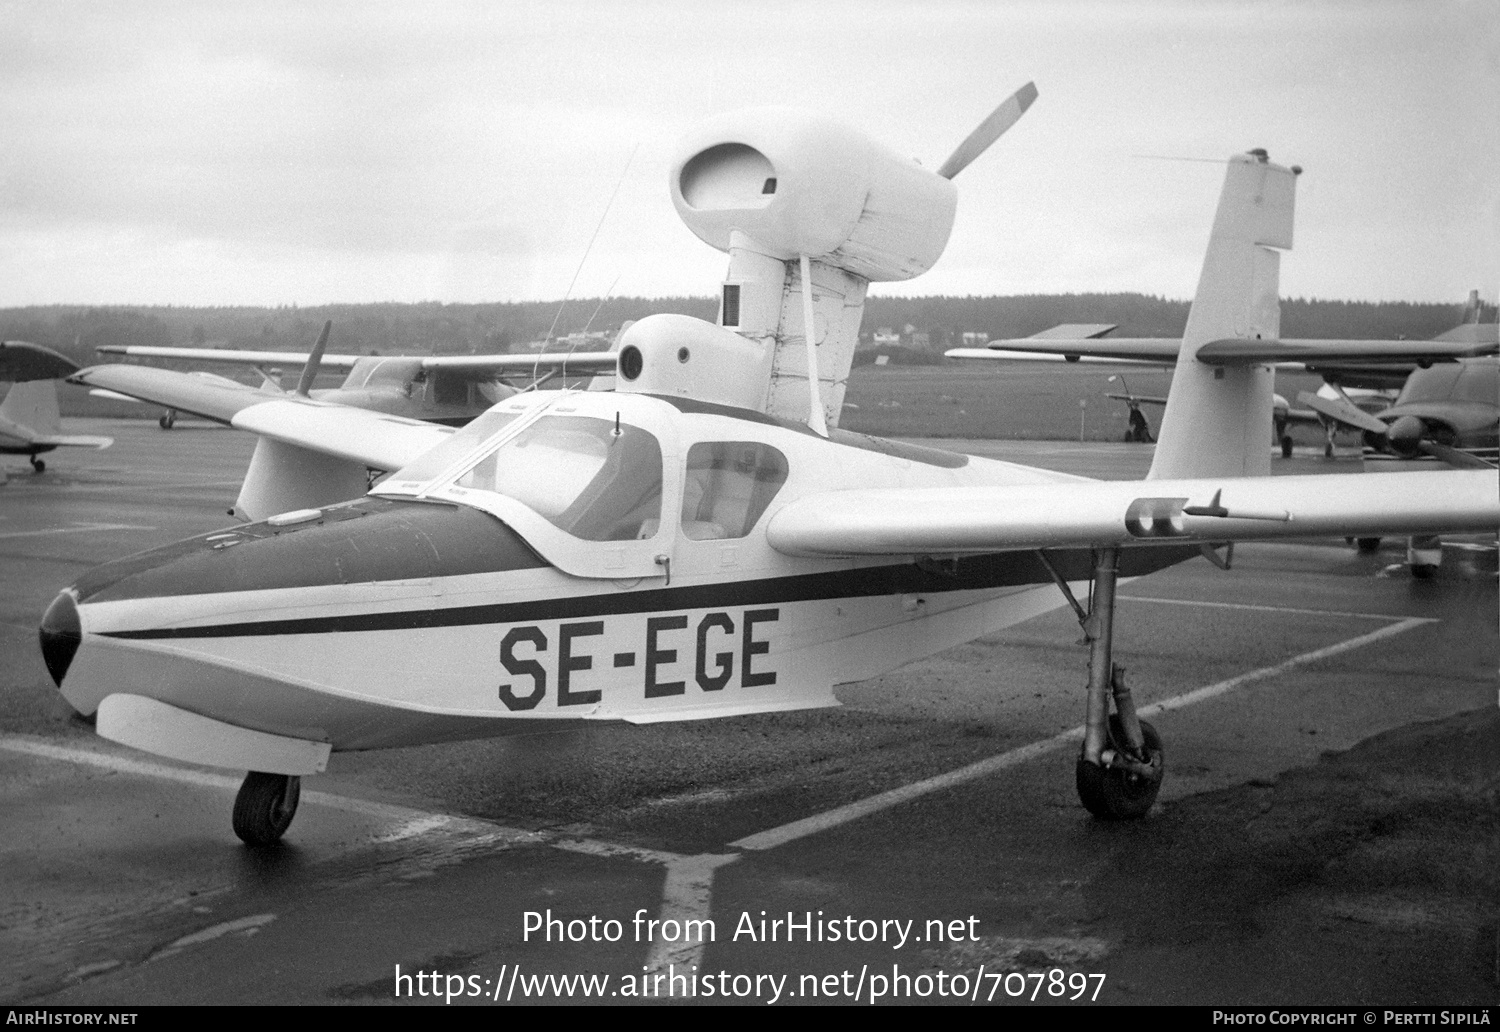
{"x": 38, "y": 465}
{"x": 166, "y": 420}
{"x": 1286, "y": 446}
{"x": 1367, "y": 544}
{"x": 265, "y": 806}
{"x": 1423, "y": 571}
{"x": 1115, "y": 794}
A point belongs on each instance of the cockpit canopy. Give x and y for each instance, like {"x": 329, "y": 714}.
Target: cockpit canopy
{"x": 601, "y": 485}
{"x": 596, "y": 479}
{"x": 1475, "y": 381}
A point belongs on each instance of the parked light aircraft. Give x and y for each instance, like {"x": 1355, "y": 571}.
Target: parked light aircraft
{"x": 1448, "y": 413}
{"x": 29, "y": 421}
{"x": 704, "y": 541}
{"x": 446, "y": 389}
{"x": 1369, "y": 366}
{"x": 1283, "y": 415}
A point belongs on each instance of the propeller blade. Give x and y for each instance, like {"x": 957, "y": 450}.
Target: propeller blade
{"x": 310, "y": 371}
{"x": 1001, "y": 119}
{"x": 1454, "y": 456}
{"x": 1342, "y": 412}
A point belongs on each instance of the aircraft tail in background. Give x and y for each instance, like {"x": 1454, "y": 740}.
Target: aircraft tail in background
{"x": 29, "y": 421}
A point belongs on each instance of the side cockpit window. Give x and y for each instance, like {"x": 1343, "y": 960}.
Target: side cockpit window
{"x": 727, "y": 487}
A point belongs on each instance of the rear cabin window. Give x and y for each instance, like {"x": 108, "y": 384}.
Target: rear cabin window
{"x": 727, "y": 487}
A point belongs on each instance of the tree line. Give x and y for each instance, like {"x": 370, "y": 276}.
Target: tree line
{"x": 464, "y": 328}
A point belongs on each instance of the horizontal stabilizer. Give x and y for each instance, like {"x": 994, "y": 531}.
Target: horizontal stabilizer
{"x": 1160, "y": 350}
{"x": 74, "y": 441}
{"x": 1231, "y": 352}
{"x": 1308, "y": 352}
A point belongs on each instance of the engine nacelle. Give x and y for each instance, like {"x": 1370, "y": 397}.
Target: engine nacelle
{"x": 797, "y": 183}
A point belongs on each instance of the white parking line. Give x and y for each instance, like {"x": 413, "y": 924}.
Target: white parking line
{"x": 780, "y": 836}
{"x": 1260, "y": 608}
{"x": 687, "y": 893}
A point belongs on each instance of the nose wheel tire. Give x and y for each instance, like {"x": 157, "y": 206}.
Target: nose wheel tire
{"x": 1114, "y": 793}
{"x": 265, "y": 806}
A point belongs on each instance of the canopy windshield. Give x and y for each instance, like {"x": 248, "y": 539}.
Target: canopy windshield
{"x": 597, "y": 479}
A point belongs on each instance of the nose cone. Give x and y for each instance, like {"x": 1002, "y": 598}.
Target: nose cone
{"x": 1405, "y": 434}
{"x": 60, "y": 634}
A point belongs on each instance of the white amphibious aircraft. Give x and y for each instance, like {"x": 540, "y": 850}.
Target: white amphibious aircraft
{"x": 703, "y": 541}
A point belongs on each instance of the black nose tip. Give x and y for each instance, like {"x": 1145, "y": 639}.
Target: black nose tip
{"x": 60, "y": 634}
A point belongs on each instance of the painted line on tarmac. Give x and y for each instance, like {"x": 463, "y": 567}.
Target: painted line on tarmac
{"x": 1209, "y": 692}
{"x": 780, "y": 836}
{"x": 685, "y": 893}
{"x": 75, "y": 529}
{"x": 1270, "y": 609}
{"x": 405, "y": 822}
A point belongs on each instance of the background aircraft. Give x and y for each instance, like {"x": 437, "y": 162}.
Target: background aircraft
{"x": 448, "y": 389}
{"x": 1447, "y": 414}
{"x": 703, "y": 541}
{"x": 1367, "y": 368}
{"x": 29, "y": 420}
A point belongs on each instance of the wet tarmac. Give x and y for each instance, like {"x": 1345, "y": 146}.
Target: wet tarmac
{"x": 1327, "y": 832}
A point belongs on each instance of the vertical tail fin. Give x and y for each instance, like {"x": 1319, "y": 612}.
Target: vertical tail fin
{"x": 33, "y": 405}
{"x": 1217, "y": 419}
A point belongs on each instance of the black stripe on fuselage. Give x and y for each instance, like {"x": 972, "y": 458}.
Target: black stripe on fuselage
{"x": 998, "y": 570}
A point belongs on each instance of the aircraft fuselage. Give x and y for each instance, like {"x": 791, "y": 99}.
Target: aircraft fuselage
{"x": 569, "y": 557}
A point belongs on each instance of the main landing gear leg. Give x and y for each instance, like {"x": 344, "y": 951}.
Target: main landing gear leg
{"x": 265, "y": 806}
{"x": 1120, "y": 769}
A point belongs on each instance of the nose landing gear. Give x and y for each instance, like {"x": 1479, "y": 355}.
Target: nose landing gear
{"x": 265, "y": 806}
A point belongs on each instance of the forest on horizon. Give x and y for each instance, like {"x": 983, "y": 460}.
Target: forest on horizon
{"x": 494, "y": 328}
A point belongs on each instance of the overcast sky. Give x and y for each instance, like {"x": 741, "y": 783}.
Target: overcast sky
{"x": 201, "y": 153}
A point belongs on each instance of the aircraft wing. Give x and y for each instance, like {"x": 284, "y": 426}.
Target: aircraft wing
{"x": 1236, "y": 351}
{"x": 375, "y": 439}
{"x": 581, "y": 362}
{"x": 229, "y": 355}
{"x": 473, "y": 365}
{"x": 211, "y": 397}
{"x": 991, "y": 519}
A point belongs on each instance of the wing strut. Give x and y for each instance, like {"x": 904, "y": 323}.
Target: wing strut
{"x": 815, "y": 418}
